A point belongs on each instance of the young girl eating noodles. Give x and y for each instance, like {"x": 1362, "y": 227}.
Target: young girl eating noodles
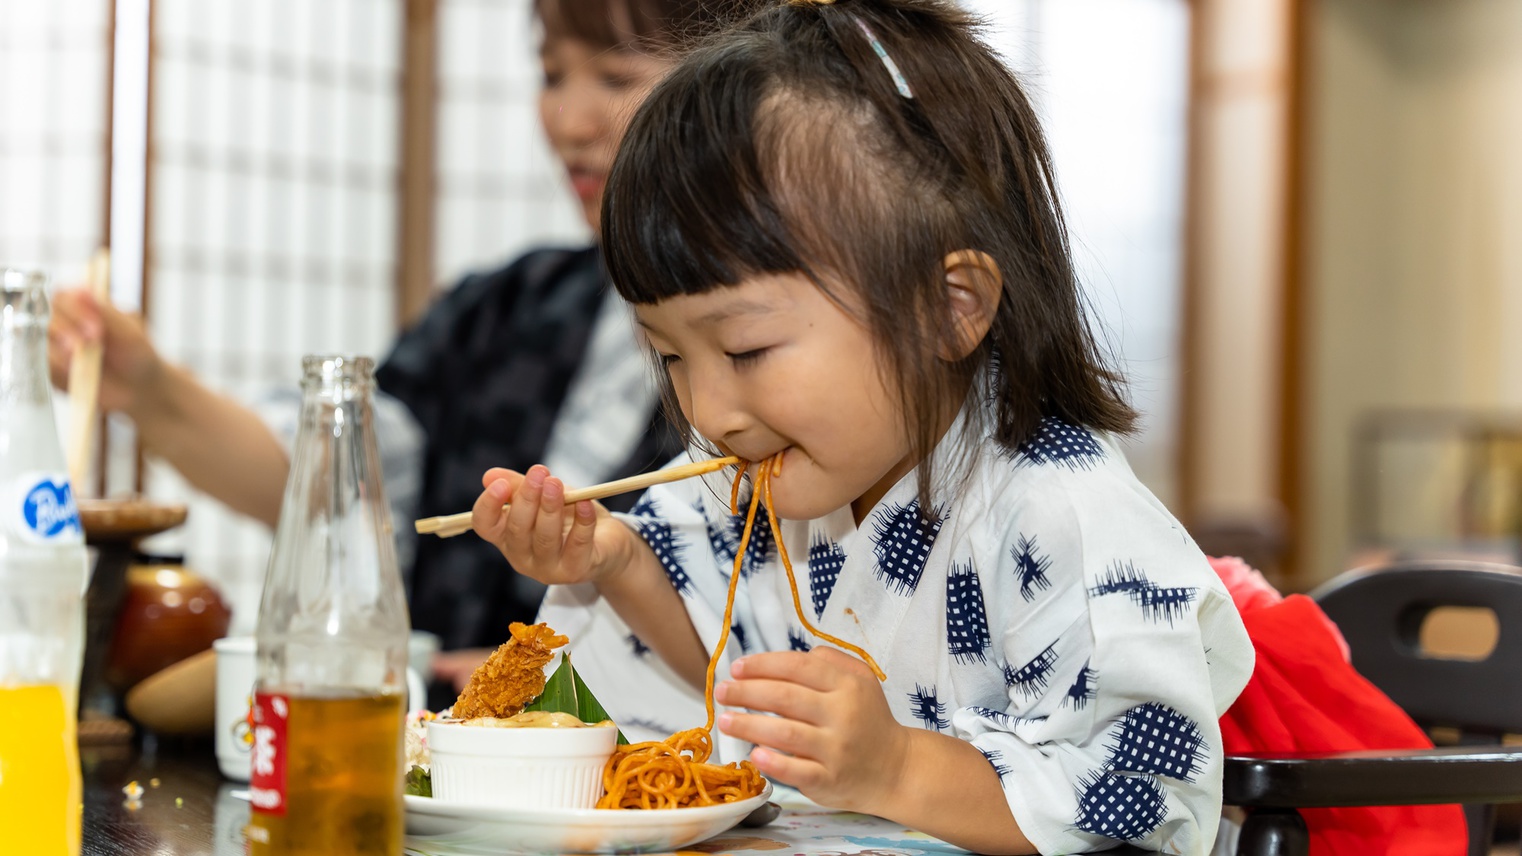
{"x": 838, "y": 227}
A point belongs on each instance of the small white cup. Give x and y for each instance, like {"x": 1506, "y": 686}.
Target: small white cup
{"x": 518, "y": 767}
{"x": 235, "y": 688}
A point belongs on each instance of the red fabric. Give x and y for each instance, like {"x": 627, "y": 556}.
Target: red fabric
{"x": 1305, "y": 697}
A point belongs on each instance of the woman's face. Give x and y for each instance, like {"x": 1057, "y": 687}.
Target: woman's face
{"x": 589, "y": 96}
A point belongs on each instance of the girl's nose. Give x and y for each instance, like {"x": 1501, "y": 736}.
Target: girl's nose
{"x": 714, "y": 409}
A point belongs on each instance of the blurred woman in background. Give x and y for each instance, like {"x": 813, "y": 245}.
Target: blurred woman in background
{"x": 534, "y": 362}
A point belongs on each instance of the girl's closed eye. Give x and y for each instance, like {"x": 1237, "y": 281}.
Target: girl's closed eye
{"x": 745, "y": 358}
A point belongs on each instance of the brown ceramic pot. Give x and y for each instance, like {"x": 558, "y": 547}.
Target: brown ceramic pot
{"x": 167, "y": 614}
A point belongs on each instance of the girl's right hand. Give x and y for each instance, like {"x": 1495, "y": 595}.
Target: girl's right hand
{"x": 131, "y": 367}
{"x": 541, "y": 537}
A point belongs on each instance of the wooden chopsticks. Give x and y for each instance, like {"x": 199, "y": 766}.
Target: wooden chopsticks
{"x": 84, "y": 383}
{"x": 454, "y": 524}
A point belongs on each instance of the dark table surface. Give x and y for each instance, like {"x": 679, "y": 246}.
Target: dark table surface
{"x": 186, "y": 808}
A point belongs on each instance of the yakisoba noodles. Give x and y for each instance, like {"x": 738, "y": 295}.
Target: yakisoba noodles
{"x": 673, "y": 773}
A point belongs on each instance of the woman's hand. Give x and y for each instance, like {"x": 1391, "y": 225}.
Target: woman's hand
{"x": 833, "y": 737}
{"x": 131, "y": 368}
{"x": 544, "y": 539}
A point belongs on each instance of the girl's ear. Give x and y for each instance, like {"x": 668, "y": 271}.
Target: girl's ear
{"x": 973, "y": 288}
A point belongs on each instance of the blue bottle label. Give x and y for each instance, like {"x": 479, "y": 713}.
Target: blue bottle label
{"x": 48, "y": 514}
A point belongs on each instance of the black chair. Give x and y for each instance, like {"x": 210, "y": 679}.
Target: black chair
{"x": 1380, "y": 611}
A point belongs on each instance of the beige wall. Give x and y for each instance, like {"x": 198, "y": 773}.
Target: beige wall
{"x": 1414, "y": 243}
{"x": 1240, "y": 140}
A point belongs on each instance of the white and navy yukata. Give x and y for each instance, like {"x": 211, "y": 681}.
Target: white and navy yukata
{"x": 1051, "y": 612}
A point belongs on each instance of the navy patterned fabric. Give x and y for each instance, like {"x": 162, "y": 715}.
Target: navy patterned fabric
{"x": 1083, "y": 689}
{"x": 966, "y": 620}
{"x": 1153, "y": 738}
{"x": 1030, "y": 566}
{"x": 1032, "y": 679}
{"x": 636, "y": 645}
{"x": 996, "y": 759}
{"x": 1056, "y": 442}
{"x": 1158, "y": 603}
{"x": 796, "y": 641}
{"x": 825, "y": 561}
{"x": 902, "y": 540}
{"x": 668, "y": 551}
{"x": 927, "y": 708}
{"x": 1122, "y": 807}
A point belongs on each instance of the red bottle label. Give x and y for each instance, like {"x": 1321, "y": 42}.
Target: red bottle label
{"x": 266, "y": 783}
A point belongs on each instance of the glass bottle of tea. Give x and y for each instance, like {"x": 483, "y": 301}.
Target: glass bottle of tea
{"x": 330, "y": 687}
{"x": 42, "y": 581}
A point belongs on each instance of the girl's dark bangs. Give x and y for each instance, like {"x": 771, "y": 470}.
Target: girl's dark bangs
{"x": 687, "y": 209}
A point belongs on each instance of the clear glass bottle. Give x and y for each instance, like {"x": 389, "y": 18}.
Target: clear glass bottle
{"x": 330, "y": 687}
{"x": 43, "y": 571}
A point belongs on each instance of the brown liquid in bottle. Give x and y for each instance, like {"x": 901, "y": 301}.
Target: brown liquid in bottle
{"x": 343, "y": 790}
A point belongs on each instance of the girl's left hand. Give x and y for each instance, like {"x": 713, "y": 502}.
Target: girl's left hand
{"x": 833, "y": 737}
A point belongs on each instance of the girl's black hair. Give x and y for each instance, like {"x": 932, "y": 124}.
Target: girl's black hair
{"x": 785, "y": 146}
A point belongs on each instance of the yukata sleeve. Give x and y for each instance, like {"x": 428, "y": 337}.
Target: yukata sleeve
{"x": 644, "y": 695}
{"x": 1110, "y": 732}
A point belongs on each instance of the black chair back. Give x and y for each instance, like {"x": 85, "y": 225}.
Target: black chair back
{"x": 1380, "y": 611}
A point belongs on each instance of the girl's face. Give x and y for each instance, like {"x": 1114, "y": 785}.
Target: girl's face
{"x": 589, "y": 96}
{"x": 773, "y": 365}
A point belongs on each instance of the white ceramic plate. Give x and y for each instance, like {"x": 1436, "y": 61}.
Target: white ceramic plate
{"x": 450, "y": 829}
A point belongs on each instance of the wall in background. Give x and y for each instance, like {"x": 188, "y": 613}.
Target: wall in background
{"x": 53, "y": 110}
{"x": 1415, "y": 210}
{"x": 272, "y": 185}
{"x": 1111, "y": 81}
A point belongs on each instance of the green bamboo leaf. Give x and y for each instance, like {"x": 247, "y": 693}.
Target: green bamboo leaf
{"x": 559, "y": 694}
{"x": 588, "y": 709}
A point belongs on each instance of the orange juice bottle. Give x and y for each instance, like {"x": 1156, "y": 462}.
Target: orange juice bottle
{"x": 42, "y": 580}
{"x": 330, "y": 686}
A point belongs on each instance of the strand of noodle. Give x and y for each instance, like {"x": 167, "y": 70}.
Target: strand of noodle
{"x": 765, "y": 487}
{"x": 629, "y": 764}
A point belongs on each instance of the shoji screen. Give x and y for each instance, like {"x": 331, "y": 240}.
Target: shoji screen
{"x": 500, "y": 189}
{"x": 272, "y": 185}
{"x": 53, "y": 97}
{"x": 1110, "y": 79}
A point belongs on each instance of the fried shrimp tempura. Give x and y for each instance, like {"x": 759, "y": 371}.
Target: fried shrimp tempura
{"x": 512, "y": 676}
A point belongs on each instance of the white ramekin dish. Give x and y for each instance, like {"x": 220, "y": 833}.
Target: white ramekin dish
{"x": 519, "y": 767}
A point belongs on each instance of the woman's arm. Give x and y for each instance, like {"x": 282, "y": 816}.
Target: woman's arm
{"x": 217, "y": 444}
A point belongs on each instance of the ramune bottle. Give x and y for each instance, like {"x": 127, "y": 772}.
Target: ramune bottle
{"x": 330, "y": 691}
{"x": 43, "y": 572}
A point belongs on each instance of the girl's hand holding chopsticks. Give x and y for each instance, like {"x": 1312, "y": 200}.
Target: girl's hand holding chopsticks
{"x": 526, "y": 516}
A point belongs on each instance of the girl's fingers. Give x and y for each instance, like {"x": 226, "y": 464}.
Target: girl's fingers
{"x": 810, "y": 669}
{"x": 801, "y": 773}
{"x": 782, "y": 697}
{"x": 549, "y": 527}
{"x": 487, "y": 516}
{"x": 524, "y": 511}
{"x": 579, "y": 540}
{"x": 500, "y": 474}
{"x": 775, "y": 732}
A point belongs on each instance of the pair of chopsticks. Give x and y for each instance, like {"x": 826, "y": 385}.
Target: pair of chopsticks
{"x": 454, "y": 524}
{"x": 84, "y": 382}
